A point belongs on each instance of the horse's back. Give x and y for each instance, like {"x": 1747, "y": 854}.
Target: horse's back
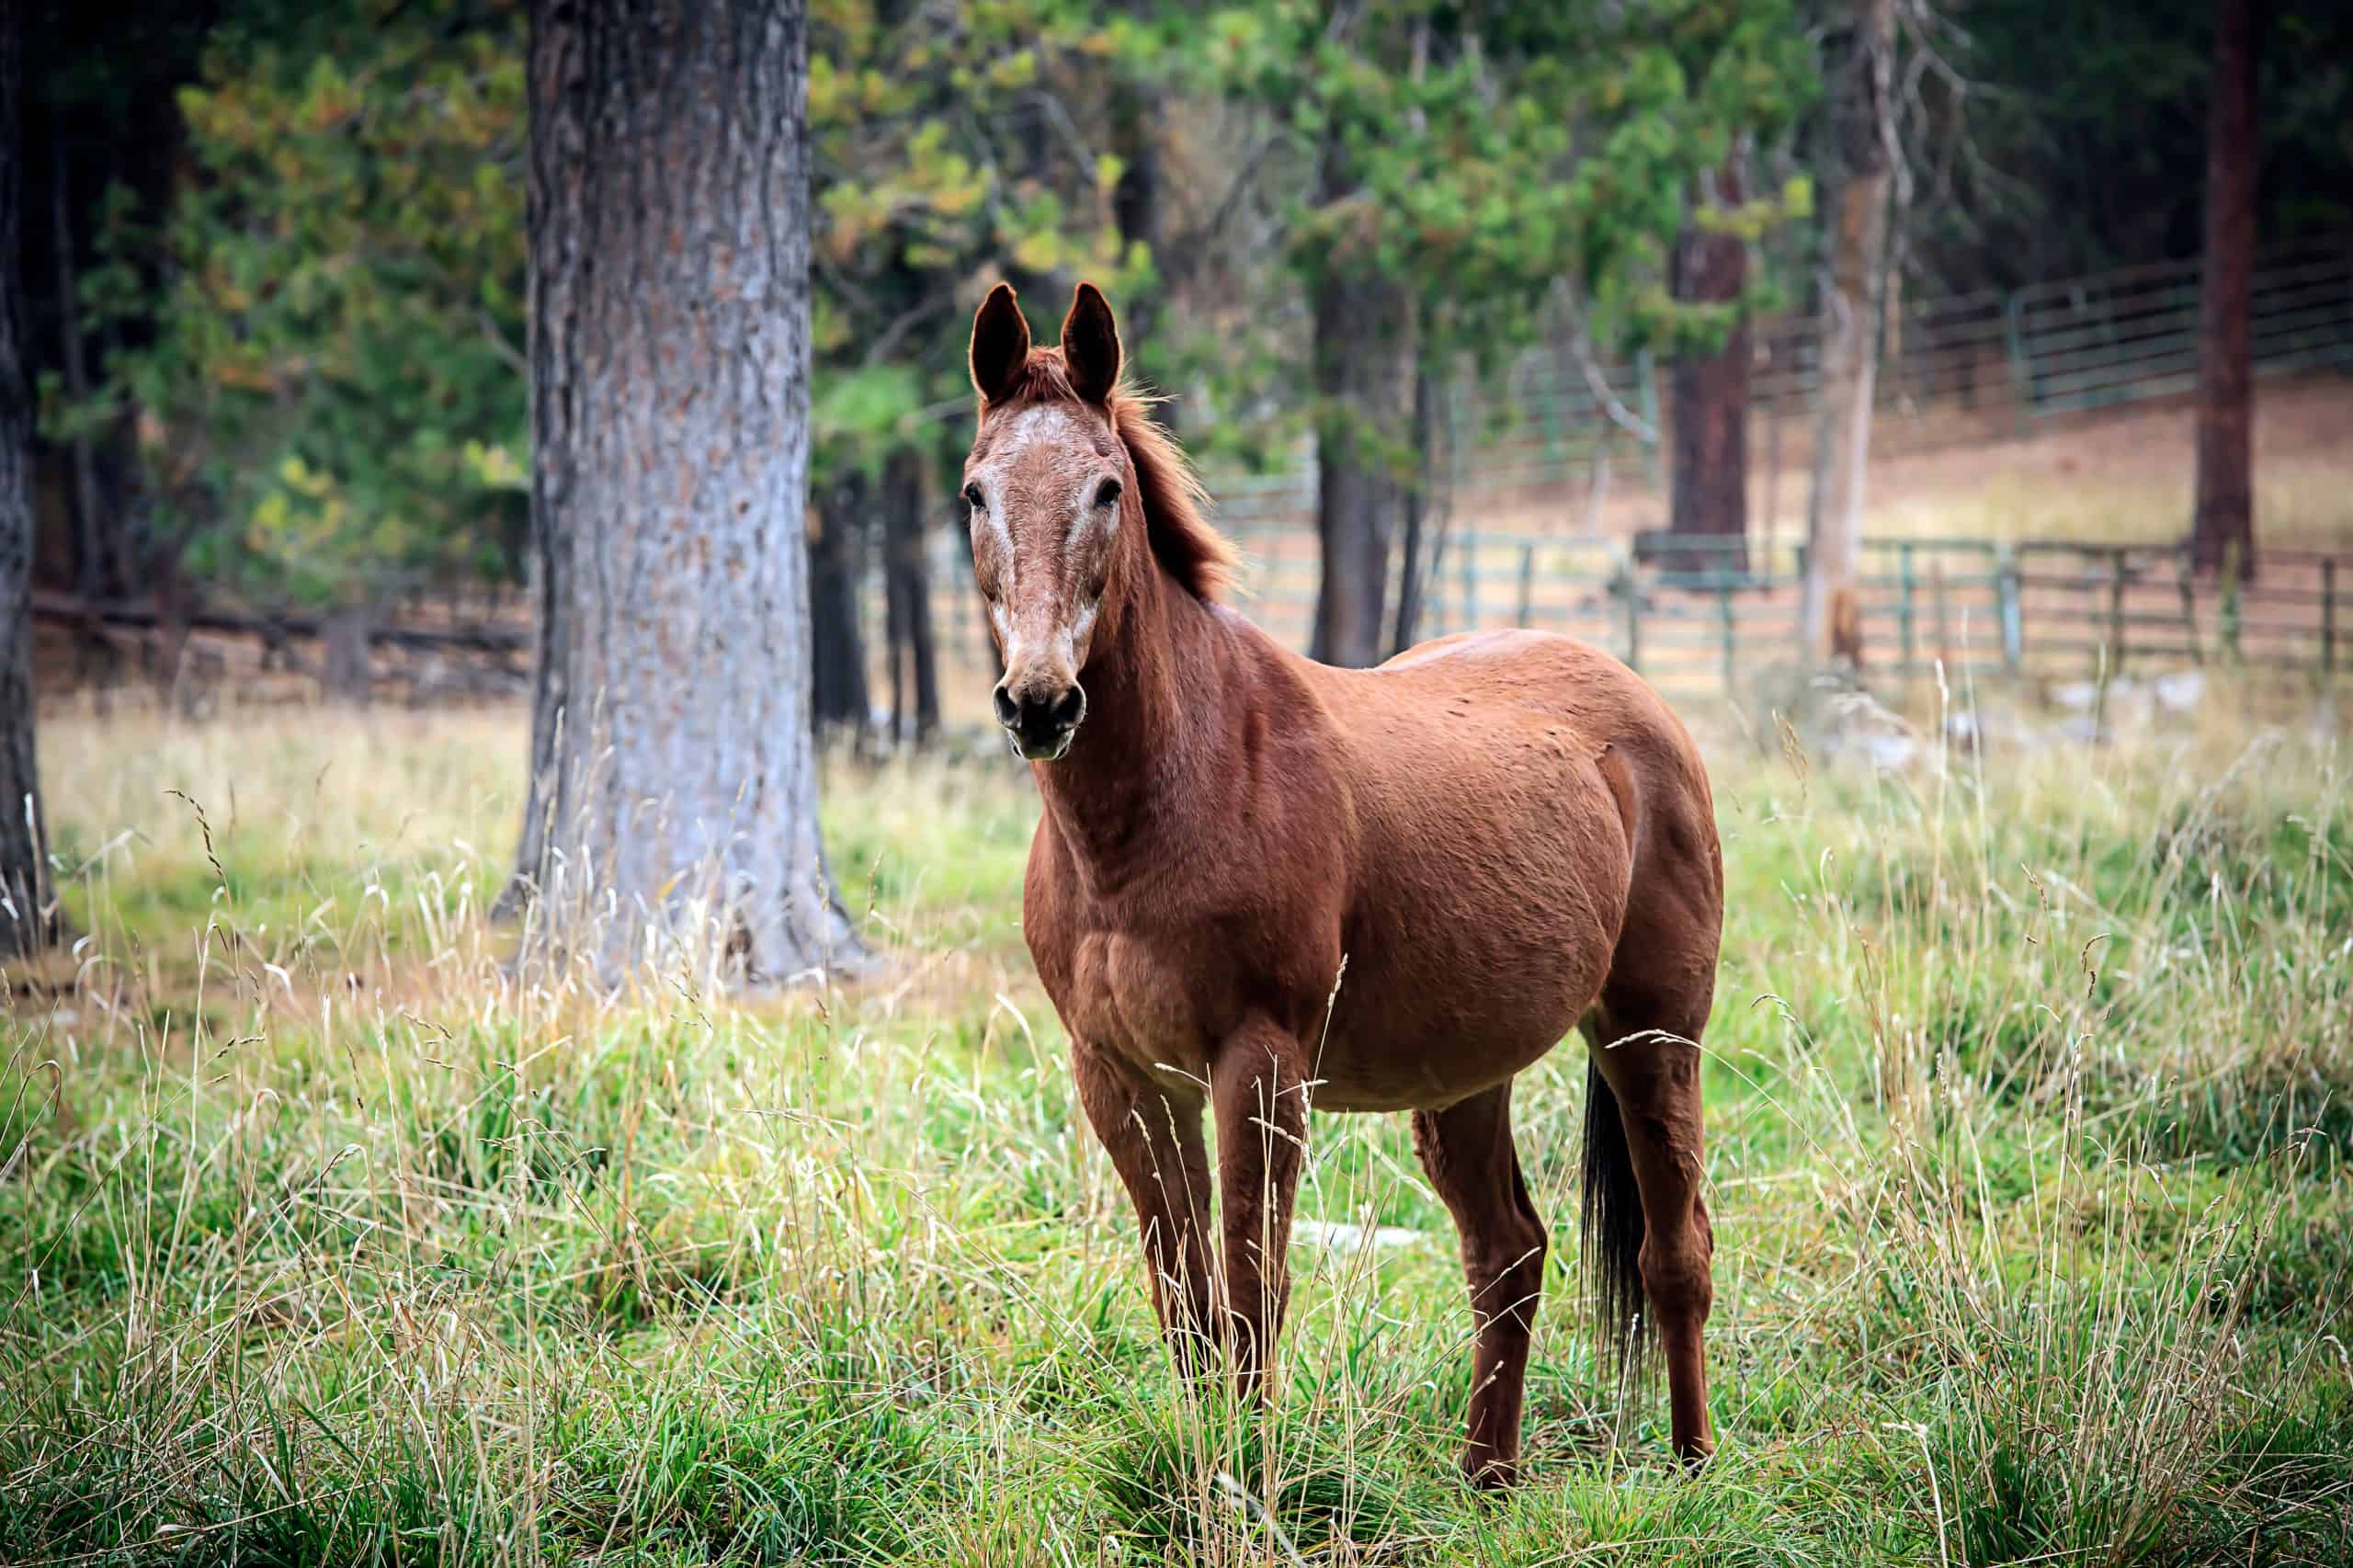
{"x": 1578, "y": 693}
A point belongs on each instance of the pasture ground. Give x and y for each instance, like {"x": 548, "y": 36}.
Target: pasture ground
{"x": 324, "y": 1240}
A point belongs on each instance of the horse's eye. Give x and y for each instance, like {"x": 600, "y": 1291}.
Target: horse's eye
{"x": 972, "y": 498}
{"x": 1109, "y": 494}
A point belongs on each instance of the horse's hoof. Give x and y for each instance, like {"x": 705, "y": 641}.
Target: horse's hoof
{"x": 1694, "y": 1455}
{"x": 1490, "y": 1475}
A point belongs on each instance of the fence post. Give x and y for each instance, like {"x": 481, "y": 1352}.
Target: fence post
{"x": 2231, "y": 603}
{"x": 1470, "y": 583}
{"x": 2188, "y": 607}
{"x": 1527, "y": 582}
{"x": 1940, "y": 612}
{"x": 2021, "y": 363}
{"x": 1435, "y": 611}
{"x": 2327, "y": 614}
{"x": 1724, "y": 625}
{"x": 1905, "y": 636}
{"x": 1631, "y": 592}
{"x": 2116, "y": 613}
{"x": 2006, "y": 594}
{"x": 1646, "y": 391}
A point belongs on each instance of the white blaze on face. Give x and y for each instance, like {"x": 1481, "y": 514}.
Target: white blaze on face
{"x": 1042, "y": 532}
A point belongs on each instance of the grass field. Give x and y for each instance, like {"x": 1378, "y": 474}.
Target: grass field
{"x": 2031, "y": 1099}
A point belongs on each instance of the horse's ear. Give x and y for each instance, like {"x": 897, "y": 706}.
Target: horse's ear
{"x": 1091, "y": 345}
{"x": 1000, "y": 343}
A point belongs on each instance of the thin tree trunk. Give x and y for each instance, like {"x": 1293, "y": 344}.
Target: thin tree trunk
{"x": 1851, "y": 293}
{"x": 673, "y": 804}
{"x": 2222, "y": 531}
{"x": 906, "y": 570}
{"x": 1364, "y": 374}
{"x": 1135, "y": 201}
{"x": 837, "y": 651}
{"x": 1412, "y": 573}
{"x": 557, "y": 217}
{"x": 1709, "y": 495}
{"x": 27, "y": 921}
{"x": 88, "y": 529}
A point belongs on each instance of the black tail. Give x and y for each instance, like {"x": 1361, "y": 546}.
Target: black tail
{"x": 1612, "y": 1228}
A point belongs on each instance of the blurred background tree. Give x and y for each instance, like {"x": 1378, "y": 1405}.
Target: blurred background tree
{"x": 954, "y": 143}
{"x": 329, "y": 386}
{"x": 273, "y": 254}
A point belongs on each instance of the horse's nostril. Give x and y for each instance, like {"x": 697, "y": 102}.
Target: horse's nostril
{"x": 1070, "y": 708}
{"x": 1007, "y": 710}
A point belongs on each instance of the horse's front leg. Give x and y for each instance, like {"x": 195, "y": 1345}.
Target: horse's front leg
{"x": 1259, "y": 1091}
{"x": 1153, "y": 1134}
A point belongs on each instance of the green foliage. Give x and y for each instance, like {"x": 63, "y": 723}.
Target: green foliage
{"x": 330, "y": 394}
{"x": 2083, "y": 143}
{"x": 328, "y": 314}
{"x": 948, "y": 152}
{"x": 1480, "y": 156}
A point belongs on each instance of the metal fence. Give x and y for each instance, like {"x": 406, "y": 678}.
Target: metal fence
{"x": 1952, "y": 369}
{"x": 1975, "y": 366}
{"x": 1969, "y": 606}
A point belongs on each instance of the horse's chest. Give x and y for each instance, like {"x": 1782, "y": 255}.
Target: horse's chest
{"x": 1162, "y": 981}
{"x": 1140, "y": 992}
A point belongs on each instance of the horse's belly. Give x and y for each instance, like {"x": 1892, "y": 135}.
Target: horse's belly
{"x": 1428, "y": 1028}
{"x": 1476, "y": 946}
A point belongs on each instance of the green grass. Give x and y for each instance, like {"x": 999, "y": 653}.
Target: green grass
{"x": 2030, "y": 1100}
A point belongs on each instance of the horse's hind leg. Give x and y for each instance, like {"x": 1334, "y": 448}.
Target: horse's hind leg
{"x": 1153, "y": 1136}
{"x": 1467, "y": 1150}
{"x": 1647, "y": 1053}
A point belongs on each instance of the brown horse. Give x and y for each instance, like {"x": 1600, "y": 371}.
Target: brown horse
{"x": 1500, "y": 836}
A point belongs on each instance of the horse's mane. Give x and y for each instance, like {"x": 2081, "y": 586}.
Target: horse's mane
{"x": 1176, "y": 520}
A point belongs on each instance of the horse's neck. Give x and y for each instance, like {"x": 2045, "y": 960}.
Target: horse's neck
{"x": 1143, "y": 764}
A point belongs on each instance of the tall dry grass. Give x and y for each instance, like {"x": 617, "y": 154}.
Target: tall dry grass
{"x": 328, "y": 1238}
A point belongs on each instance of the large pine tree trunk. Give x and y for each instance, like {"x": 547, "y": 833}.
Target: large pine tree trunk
{"x": 1710, "y": 480}
{"x": 27, "y": 922}
{"x": 1850, "y": 303}
{"x": 672, "y": 802}
{"x": 907, "y": 576}
{"x": 2222, "y": 531}
{"x": 1364, "y": 375}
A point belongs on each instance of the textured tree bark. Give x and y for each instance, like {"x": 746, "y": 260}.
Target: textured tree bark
{"x": 28, "y": 923}
{"x": 1364, "y": 377}
{"x": 672, "y": 810}
{"x": 1850, "y": 299}
{"x": 2221, "y": 532}
{"x": 1710, "y": 479}
{"x": 837, "y": 651}
{"x": 906, "y": 578}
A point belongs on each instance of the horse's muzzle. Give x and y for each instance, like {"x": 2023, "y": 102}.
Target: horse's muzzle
{"x": 1039, "y": 724}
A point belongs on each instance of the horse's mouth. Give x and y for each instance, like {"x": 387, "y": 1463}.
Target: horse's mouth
{"x": 1052, "y": 750}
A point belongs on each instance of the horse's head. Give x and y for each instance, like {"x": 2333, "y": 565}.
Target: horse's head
{"x": 1053, "y": 511}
